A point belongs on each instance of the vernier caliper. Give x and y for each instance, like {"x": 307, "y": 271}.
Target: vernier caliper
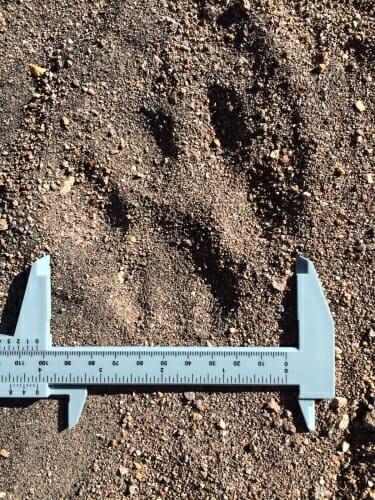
{"x": 31, "y": 367}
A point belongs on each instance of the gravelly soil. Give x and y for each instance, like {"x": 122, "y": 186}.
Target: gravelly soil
{"x": 173, "y": 159}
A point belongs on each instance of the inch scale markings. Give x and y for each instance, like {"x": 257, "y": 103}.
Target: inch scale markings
{"x": 31, "y": 367}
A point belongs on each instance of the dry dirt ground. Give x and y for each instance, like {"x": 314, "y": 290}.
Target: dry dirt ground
{"x": 173, "y": 158}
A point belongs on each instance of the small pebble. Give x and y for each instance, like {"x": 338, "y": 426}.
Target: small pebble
{"x": 345, "y": 446}
{"x": 340, "y": 171}
{"x": 360, "y": 106}
{"x": 318, "y": 492}
{"x": 273, "y": 405}
{"x": 344, "y": 422}
{"x": 4, "y": 453}
{"x": 65, "y": 122}
{"x": 3, "y": 27}
{"x": 123, "y": 470}
{"x": 217, "y": 143}
{"x": 280, "y": 285}
{"x": 197, "y": 416}
{"x": 67, "y": 186}
{"x": 322, "y": 68}
{"x": 222, "y": 425}
{"x": 102, "y": 42}
{"x": 37, "y": 70}
{"x": 199, "y": 405}
{"x": 245, "y": 5}
{"x": 132, "y": 489}
{"x": 3, "y": 225}
{"x": 189, "y": 396}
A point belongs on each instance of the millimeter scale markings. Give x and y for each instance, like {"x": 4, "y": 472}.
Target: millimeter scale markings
{"x": 31, "y": 367}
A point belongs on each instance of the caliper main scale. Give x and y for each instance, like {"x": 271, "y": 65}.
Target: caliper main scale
{"x": 30, "y": 367}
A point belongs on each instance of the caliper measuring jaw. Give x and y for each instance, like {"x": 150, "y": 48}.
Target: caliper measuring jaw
{"x": 31, "y": 367}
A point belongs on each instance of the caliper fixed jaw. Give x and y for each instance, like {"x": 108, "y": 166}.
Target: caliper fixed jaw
{"x": 35, "y": 314}
{"x": 316, "y": 341}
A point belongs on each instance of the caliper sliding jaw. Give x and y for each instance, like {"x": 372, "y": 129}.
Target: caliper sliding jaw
{"x": 316, "y": 341}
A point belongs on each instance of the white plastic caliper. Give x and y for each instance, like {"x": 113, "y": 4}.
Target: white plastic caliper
{"x": 31, "y": 367}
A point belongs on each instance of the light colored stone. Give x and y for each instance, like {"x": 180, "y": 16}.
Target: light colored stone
{"x": 322, "y": 68}
{"x": 68, "y": 184}
{"x": 319, "y": 492}
{"x": 360, "y": 106}
{"x": 189, "y": 396}
{"x": 123, "y": 471}
{"x": 37, "y": 70}
{"x": 222, "y": 425}
{"x": 340, "y": 170}
{"x": 275, "y": 154}
{"x": 273, "y": 405}
{"x": 121, "y": 277}
{"x": 280, "y": 285}
{"x": 344, "y": 422}
{"x": 345, "y": 446}
{"x": 132, "y": 489}
{"x": 65, "y": 122}
{"x": 3, "y": 23}
{"x": 245, "y": 4}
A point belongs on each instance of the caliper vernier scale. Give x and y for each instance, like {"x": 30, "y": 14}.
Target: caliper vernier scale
{"x": 31, "y": 367}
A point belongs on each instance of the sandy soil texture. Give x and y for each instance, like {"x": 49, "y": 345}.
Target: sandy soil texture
{"x": 173, "y": 157}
